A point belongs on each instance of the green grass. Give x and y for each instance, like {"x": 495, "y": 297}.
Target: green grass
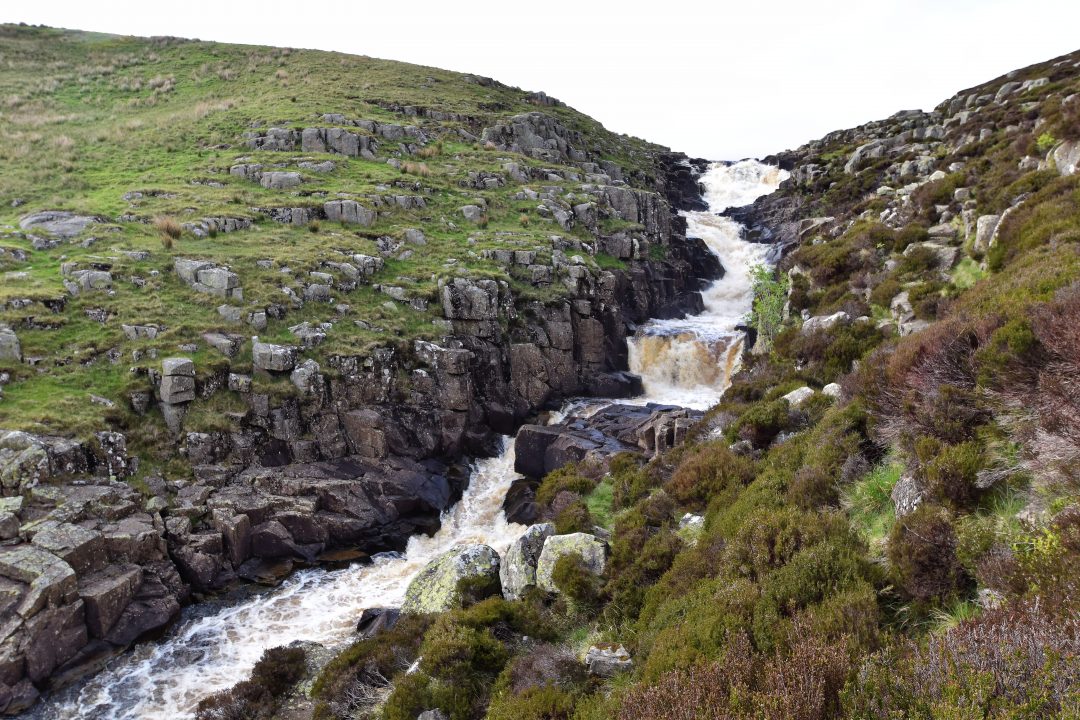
{"x": 869, "y": 503}
{"x": 88, "y": 117}
{"x": 599, "y": 502}
{"x": 966, "y": 273}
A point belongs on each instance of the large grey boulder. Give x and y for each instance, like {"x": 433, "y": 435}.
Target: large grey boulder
{"x": 279, "y": 180}
{"x": 1066, "y": 157}
{"x": 106, "y": 593}
{"x": 592, "y": 550}
{"x": 10, "y": 349}
{"x": 272, "y": 358}
{"x": 907, "y": 495}
{"x": 517, "y": 572}
{"x": 985, "y": 231}
{"x": 434, "y": 589}
{"x": 824, "y": 322}
{"x": 349, "y": 211}
{"x": 205, "y": 277}
{"x": 177, "y": 381}
{"x": 464, "y": 299}
{"x": 473, "y": 213}
{"x": 799, "y": 396}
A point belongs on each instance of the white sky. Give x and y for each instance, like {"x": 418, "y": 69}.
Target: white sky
{"x": 724, "y": 79}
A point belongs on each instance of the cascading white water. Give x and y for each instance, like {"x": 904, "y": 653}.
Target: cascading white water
{"x": 687, "y": 362}
{"x": 204, "y": 654}
{"x": 690, "y": 362}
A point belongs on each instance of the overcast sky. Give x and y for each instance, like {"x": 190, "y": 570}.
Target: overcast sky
{"x": 723, "y": 79}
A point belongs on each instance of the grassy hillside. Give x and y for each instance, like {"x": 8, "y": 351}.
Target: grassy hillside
{"x": 905, "y": 544}
{"x": 141, "y": 135}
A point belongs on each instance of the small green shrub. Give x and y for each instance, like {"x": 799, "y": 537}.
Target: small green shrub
{"x": 922, "y": 552}
{"x": 762, "y": 423}
{"x": 565, "y": 478}
{"x": 770, "y": 294}
{"x": 574, "y": 580}
{"x": 707, "y": 472}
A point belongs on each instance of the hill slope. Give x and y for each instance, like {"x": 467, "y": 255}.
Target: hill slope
{"x": 886, "y": 499}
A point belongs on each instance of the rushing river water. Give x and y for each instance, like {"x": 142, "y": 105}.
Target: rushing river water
{"x": 686, "y": 362}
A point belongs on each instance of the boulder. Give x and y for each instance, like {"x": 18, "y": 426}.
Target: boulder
{"x": 9, "y": 345}
{"x": 227, "y": 345}
{"x": 799, "y": 396}
{"x": 376, "y": 620}
{"x": 824, "y": 322}
{"x": 592, "y": 550}
{"x": 51, "y": 580}
{"x": 279, "y": 180}
{"x": 985, "y": 231}
{"x": 517, "y": 572}
{"x": 435, "y": 588}
{"x": 349, "y": 211}
{"x": 607, "y": 659}
{"x": 82, "y": 549}
{"x": 60, "y": 223}
{"x": 106, "y": 593}
{"x": 1066, "y": 157}
{"x": 177, "y": 381}
{"x": 832, "y": 390}
{"x": 473, "y": 213}
{"x": 906, "y": 495}
{"x": 464, "y": 299}
{"x": 272, "y": 358}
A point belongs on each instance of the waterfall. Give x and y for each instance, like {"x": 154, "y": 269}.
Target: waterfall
{"x": 690, "y": 362}
{"x": 687, "y": 362}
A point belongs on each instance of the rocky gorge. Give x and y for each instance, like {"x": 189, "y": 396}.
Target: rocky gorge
{"x": 362, "y": 451}
{"x": 436, "y": 399}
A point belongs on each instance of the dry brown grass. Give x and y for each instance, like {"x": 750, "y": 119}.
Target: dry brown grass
{"x": 168, "y": 227}
{"x": 414, "y": 168}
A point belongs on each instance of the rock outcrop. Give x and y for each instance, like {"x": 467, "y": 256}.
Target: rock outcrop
{"x": 591, "y": 550}
{"x": 435, "y": 588}
{"x": 517, "y": 572}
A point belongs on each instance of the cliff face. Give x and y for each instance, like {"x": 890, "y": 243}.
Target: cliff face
{"x": 279, "y": 337}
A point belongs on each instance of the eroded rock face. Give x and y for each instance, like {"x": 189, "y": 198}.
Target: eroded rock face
{"x": 517, "y": 572}
{"x": 592, "y": 441}
{"x": 592, "y": 550}
{"x": 434, "y": 589}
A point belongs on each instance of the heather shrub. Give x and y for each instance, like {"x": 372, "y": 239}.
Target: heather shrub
{"x": 565, "y": 478}
{"x": 707, "y": 472}
{"x": 812, "y": 575}
{"x": 629, "y": 479}
{"x": 950, "y": 471}
{"x": 573, "y": 517}
{"x": 575, "y": 582}
{"x": 258, "y": 697}
{"x": 762, "y": 423}
{"x": 680, "y": 632}
{"x": 360, "y": 677}
{"x": 546, "y": 702}
{"x": 922, "y": 554}
{"x": 802, "y": 683}
{"x": 1016, "y": 662}
{"x": 770, "y": 537}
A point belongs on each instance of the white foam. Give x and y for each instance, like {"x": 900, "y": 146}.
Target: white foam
{"x": 668, "y": 354}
